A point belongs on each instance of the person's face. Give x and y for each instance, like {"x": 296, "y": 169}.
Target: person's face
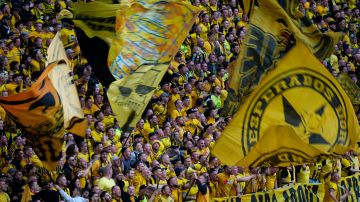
{"x": 107, "y": 197}
{"x": 167, "y": 190}
{"x": 82, "y": 163}
{"x": 147, "y": 148}
{"x": 187, "y": 162}
{"x": 26, "y": 6}
{"x": 131, "y": 174}
{"x": 117, "y": 191}
{"x": 104, "y": 155}
{"x": 29, "y": 152}
{"x": 62, "y": 181}
{"x": 201, "y": 144}
{"x": 77, "y": 183}
{"x": 131, "y": 190}
{"x": 225, "y": 13}
{"x": 96, "y": 189}
{"x": 110, "y": 132}
{"x": 179, "y": 104}
{"x": 99, "y": 99}
{"x": 156, "y": 146}
{"x": 206, "y": 19}
{"x": 139, "y": 147}
{"x": 72, "y": 161}
{"x": 3, "y": 186}
{"x": 95, "y": 197}
{"x": 154, "y": 120}
{"x": 141, "y": 124}
{"x": 166, "y": 159}
{"x": 38, "y": 27}
{"x": 127, "y": 153}
{"x": 18, "y": 175}
{"x": 99, "y": 147}
{"x": 101, "y": 126}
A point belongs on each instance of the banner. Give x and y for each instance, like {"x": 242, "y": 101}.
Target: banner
{"x": 350, "y": 87}
{"x": 300, "y": 192}
{"x": 352, "y": 183}
{"x": 300, "y": 108}
{"x": 274, "y": 27}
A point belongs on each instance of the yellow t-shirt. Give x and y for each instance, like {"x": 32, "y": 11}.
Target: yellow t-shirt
{"x": 67, "y": 36}
{"x": 191, "y": 126}
{"x": 270, "y": 182}
{"x": 174, "y": 113}
{"x": 345, "y": 164}
{"x": 227, "y": 185}
{"x": 37, "y": 65}
{"x": 328, "y": 187}
{"x": 160, "y": 111}
{"x": 4, "y": 197}
{"x": 96, "y": 136}
{"x": 304, "y": 175}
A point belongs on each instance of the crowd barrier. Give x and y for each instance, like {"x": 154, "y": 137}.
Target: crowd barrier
{"x": 300, "y": 193}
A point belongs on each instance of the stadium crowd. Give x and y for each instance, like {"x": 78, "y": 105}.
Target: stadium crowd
{"x": 167, "y": 156}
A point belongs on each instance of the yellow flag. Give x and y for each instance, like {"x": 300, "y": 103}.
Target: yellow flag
{"x": 149, "y": 34}
{"x": 274, "y": 27}
{"x": 129, "y": 96}
{"x": 350, "y": 87}
{"x": 298, "y": 112}
{"x": 145, "y": 36}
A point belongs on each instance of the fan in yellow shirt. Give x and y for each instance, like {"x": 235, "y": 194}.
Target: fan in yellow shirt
{"x": 4, "y": 197}
{"x": 30, "y": 158}
{"x": 332, "y": 192}
{"x": 67, "y": 34}
{"x": 227, "y": 183}
{"x": 303, "y": 174}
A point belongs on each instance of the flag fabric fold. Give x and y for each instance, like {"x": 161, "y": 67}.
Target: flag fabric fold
{"x": 273, "y": 29}
{"x": 46, "y": 110}
{"x": 146, "y": 36}
{"x": 298, "y": 113}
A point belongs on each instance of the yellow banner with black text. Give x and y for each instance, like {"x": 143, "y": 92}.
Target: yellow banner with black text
{"x": 300, "y": 192}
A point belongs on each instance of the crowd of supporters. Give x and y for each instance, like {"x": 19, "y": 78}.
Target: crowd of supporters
{"x": 167, "y": 156}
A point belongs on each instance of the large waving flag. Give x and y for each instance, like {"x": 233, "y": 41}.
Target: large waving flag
{"x": 95, "y": 31}
{"x": 47, "y": 109}
{"x": 298, "y": 113}
{"x": 146, "y": 37}
{"x": 273, "y": 28}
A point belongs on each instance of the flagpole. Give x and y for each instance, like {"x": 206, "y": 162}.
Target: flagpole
{"x": 89, "y": 157}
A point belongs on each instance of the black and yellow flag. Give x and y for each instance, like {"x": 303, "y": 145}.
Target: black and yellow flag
{"x": 95, "y": 31}
{"x": 49, "y": 108}
{"x": 143, "y": 40}
{"x": 350, "y": 87}
{"x": 298, "y": 113}
{"x": 273, "y": 29}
